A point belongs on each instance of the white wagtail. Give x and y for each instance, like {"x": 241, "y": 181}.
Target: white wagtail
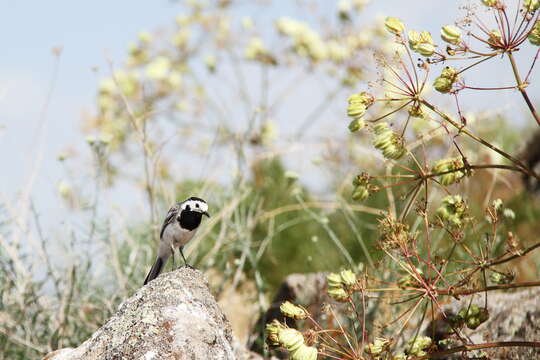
{"x": 177, "y": 230}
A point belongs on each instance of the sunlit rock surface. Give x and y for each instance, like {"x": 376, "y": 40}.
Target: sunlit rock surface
{"x": 174, "y": 317}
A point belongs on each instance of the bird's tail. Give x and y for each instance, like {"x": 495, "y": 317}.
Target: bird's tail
{"x": 154, "y": 271}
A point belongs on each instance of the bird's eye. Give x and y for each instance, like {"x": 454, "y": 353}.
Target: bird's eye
{"x": 197, "y": 205}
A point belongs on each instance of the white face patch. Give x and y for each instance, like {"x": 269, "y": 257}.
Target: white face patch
{"x": 195, "y": 205}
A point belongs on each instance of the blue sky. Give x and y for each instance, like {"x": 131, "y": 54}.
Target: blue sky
{"x": 87, "y": 31}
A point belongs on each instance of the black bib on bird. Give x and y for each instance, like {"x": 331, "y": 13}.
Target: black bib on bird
{"x": 190, "y": 220}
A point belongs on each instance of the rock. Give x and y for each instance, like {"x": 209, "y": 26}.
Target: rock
{"x": 304, "y": 289}
{"x": 530, "y": 155}
{"x": 514, "y": 316}
{"x": 173, "y": 317}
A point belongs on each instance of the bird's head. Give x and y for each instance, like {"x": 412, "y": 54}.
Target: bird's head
{"x": 195, "y": 204}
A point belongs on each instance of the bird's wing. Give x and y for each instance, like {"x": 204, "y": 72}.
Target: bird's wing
{"x": 171, "y": 215}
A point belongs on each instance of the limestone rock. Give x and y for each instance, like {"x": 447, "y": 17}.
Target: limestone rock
{"x": 173, "y": 317}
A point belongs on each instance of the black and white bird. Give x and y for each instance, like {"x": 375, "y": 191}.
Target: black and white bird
{"x": 177, "y": 230}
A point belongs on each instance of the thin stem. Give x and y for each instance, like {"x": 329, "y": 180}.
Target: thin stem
{"x": 521, "y": 86}
{"x": 488, "y": 166}
{"x": 476, "y": 63}
{"x": 478, "y": 139}
{"x": 491, "y": 88}
{"x": 453, "y": 292}
{"x": 390, "y": 113}
{"x": 532, "y": 65}
{"x": 522, "y": 253}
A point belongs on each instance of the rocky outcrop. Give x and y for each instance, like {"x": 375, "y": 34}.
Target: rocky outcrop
{"x": 173, "y": 317}
{"x": 514, "y": 316}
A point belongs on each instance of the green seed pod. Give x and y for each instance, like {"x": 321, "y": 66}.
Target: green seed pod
{"x": 496, "y": 278}
{"x": 443, "y": 85}
{"x": 304, "y": 353}
{"x": 534, "y": 35}
{"x": 483, "y": 315}
{"x": 417, "y": 111}
{"x": 425, "y": 37}
{"x": 474, "y": 310}
{"x": 366, "y": 98}
{"x": 272, "y": 332}
{"x": 499, "y": 278}
{"x": 421, "y": 43}
{"x": 452, "y": 210}
{"x": 449, "y": 73}
{"x": 489, "y": 3}
{"x": 334, "y": 280}
{"x": 361, "y": 189}
{"x": 451, "y": 34}
{"x": 358, "y": 104}
{"x": 377, "y": 347}
{"x": 495, "y": 39}
{"x": 394, "y": 25}
{"x": 414, "y": 39}
{"x": 425, "y": 49}
{"x": 388, "y": 142}
{"x": 472, "y": 323}
{"x": 338, "y": 294}
{"x": 381, "y": 128}
{"x": 360, "y": 193}
{"x": 450, "y": 164}
{"x": 418, "y": 345}
{"x": 531, "y": 5}
{"x": 356, "y": 109}
{"x": 291, "y": 339}
{"x": 474, "y": 315}
{"x": 348, "y": 278}
{"x": 292, "y": 311}
{"x": 356, "y": 125}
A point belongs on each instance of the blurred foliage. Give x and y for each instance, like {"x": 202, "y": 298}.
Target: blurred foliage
{"x": 195, "y": 110}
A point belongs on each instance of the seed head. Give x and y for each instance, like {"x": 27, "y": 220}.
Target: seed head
{"x": 418, "y": 346}
{"x": 452, "y": 210}
{"x": 377, "y": 347}
{"x": 362, "y": 188}
{"x": 490, "y": 3}
{"x": 291, "y": 339}
{"x": 304, "y": 352}
{"x": 338, "y": 294}
{"x": 444, "y": 82}
{"x": 272, "y": 332}
{"x": 394, "y": 25}
{"x": 449, "y": 165}
{"x": 422, "y": 43}
{"x": 394, "y": 234}
{"x": 388, "y": 142}
{"x": 292, "y": 311}
{"x": 451, "y": 34}
{"x": 534, "y": 35}
{"x": 531, "y": 5}
{"x": 348, "y": 278}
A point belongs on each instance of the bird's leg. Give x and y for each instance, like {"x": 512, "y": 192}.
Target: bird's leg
{"x": 172, "y": 253}
{"x": 183, "y": 257}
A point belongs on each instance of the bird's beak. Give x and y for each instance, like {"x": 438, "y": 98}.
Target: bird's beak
{"x": 206, "y": 213}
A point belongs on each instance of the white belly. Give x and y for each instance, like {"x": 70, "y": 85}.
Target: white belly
{"x": 176, "y": 236}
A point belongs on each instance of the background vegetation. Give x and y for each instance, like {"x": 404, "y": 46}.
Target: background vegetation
{"x": 235, "y": 94}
